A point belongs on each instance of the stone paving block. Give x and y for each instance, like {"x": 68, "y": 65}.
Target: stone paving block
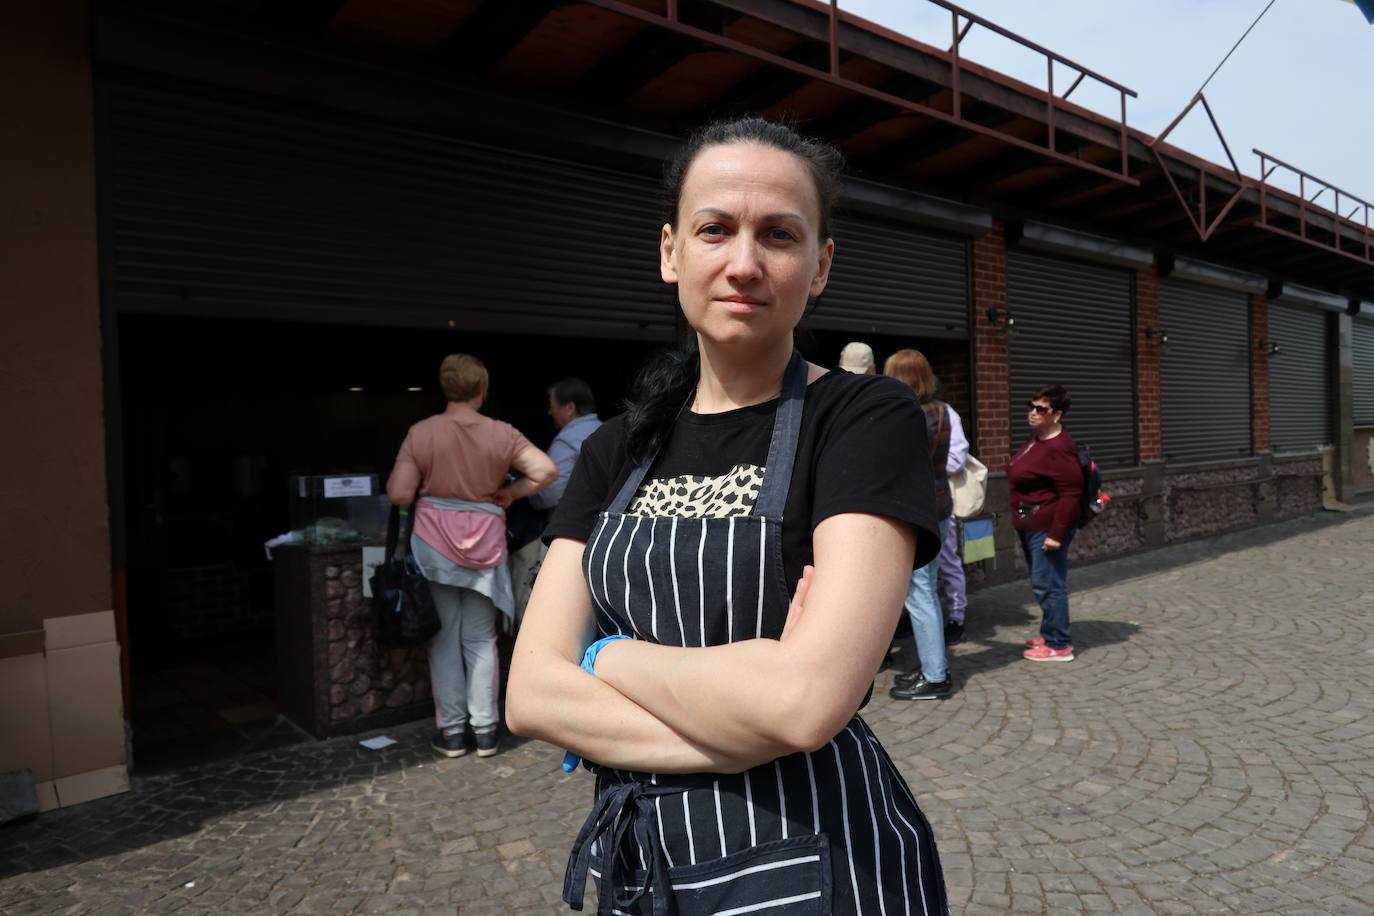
{"x": 1178, "y": 766}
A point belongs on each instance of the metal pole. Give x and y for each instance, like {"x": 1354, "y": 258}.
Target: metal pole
{"x": 1066, "y": 95}
{"x": 1202, "y": 202}
{"x": 1125, "y": 167}
{"x": 834, "y": 37}
{"x": 1264, "y": 191}
{"x": 1302, "y": 205}
{"x": 1336, "y": 214}
{"x": 954, "y": 63}
{"x": 1049, "y": 98}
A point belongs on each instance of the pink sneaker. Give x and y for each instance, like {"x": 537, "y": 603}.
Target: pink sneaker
{"x": 1035, "y": 642}
{"x": 1044, "y": 653}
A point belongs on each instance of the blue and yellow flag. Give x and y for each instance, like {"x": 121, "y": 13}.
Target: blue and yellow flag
{"x": 978, "y": 543}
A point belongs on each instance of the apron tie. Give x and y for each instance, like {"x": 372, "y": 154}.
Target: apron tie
{"x": 621, "y": 810}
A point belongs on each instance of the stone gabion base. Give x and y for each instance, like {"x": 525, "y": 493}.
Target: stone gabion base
{"x": 365, "y": 677}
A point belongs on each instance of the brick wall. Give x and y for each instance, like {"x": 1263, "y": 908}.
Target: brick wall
{"x": 1147, "y": 356}
{"x": 993, "y": 442}
{"x": 1259, "y": 373}
{"x": 951, "y": 365}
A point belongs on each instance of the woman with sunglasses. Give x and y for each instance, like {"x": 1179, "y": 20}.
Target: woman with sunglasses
{"x": 1046, "y": 483}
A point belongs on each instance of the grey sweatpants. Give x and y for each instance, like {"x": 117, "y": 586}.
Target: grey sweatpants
{"x": 463, "y": 664}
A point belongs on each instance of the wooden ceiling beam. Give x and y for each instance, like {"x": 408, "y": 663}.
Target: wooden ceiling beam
{"x": 853, "y": 119}
{"x": 649, "y": 55}
{"x": 490, "y": 33}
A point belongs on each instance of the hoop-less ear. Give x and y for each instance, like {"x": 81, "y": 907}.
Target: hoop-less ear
{"x": 824, "y": 258}
{"x": 667, "y": 248}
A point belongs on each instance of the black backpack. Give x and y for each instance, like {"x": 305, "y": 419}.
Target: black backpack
{"x": 1093, "y": 501}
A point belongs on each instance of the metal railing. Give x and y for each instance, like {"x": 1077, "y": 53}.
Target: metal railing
{"x": 1051, "y": 58}
{"x": 1339, "y": 220}
{"x": 961, "y": 22}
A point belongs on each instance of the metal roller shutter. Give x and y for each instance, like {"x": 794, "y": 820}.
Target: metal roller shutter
{"x": 1204, "y": 371}
{"x": 1299, "y": 378}
{"x": 224, "y": 207}
{"x": 1073, "y": 328}
{"x": 1362, "y": 334}
{"x": 889, "y": 278}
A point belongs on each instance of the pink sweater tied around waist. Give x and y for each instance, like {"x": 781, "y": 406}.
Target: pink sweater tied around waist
{"x": 471, "y": 537}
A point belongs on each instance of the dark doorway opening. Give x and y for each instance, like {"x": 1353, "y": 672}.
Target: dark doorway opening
{"x": 217, "y": 416}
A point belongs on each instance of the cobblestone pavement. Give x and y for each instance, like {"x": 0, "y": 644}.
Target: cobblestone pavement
{"x": 1211, "y": 750}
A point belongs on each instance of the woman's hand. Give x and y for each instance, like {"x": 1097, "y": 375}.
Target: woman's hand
{"x": 1051, "y": 544}
{"x": 794, "y": 610}
{"x": 550, "y": 697}
{"x": 765, "y": 698}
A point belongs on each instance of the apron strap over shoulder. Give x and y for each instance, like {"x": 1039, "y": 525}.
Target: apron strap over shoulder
{"x": 782, "y": 450}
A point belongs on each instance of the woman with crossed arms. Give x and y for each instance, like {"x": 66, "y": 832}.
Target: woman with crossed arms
{"x": 732, "y": 771}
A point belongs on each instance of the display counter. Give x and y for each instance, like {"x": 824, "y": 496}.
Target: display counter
{"x": 334, "y": 677}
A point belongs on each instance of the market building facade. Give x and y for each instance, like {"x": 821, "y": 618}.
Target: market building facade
{"x": 244, "y": 239}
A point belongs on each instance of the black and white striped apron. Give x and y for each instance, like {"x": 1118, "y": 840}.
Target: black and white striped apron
{"x": 834, "y": 831}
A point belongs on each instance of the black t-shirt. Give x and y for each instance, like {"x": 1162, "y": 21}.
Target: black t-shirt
{"x": 862, "y": 449}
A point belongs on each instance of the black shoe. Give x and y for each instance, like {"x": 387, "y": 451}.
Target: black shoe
{"x": 488, "y": 743}
{"x": 954, "y": 634}
{"x": 907, "y": 678}
{"x": 449, "y": 745}
{"x": 923, "y": 689}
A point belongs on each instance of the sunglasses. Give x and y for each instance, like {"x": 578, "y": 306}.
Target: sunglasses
{"x": 1039, "y": 408}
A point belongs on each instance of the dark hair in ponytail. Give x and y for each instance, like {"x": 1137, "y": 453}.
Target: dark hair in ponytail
{"x": 667, "y": 379}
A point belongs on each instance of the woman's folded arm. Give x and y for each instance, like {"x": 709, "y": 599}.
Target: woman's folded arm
{"x": 551, "y": 698}
{"x": 765, "y": 698}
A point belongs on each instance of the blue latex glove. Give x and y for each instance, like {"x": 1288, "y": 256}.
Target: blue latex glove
{"x": 571, "y": 760}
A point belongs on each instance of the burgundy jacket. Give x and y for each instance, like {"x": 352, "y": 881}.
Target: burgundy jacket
{"x": 1044, "y": 475}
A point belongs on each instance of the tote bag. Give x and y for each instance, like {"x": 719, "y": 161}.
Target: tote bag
{"x": 402, "y": 607}
{"x": 969, "y": 487}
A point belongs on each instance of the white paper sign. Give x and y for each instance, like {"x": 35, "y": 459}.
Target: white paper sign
{"x": 335, "y": 487}
{"x": 372, "y": 558}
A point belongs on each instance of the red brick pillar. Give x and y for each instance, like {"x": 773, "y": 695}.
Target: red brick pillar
{"x": 1147, "y": 356}
{"x": 990, "y": 367}
{"x": 1259, "y": 373}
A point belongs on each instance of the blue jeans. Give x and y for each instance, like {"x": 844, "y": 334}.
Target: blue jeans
{"x": 1049, "y": 578}
{"x": 927, "y": 622}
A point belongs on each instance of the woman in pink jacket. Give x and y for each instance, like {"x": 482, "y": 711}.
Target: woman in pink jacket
{"x": 454, "y": 466}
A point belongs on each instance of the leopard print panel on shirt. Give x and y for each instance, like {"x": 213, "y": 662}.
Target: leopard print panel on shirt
{"x": 694, "y": 496}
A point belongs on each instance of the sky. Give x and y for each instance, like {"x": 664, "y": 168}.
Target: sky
{"x": 1299, "y": 87}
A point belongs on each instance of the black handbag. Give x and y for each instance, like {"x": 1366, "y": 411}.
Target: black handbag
{"x": 402, "y": 607}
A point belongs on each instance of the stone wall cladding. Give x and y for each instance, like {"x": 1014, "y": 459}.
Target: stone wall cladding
{"x": 993, "y": 439}
{"x": 364, "y": 677}
{"x": 1299, "y": 486}
{"x": 1214, "y": 499}
{"x": 1200, "y": 502}
{"x": 1118, "y": 530}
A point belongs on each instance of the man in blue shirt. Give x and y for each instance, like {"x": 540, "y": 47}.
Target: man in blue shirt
{"x": 572, "y": 408}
